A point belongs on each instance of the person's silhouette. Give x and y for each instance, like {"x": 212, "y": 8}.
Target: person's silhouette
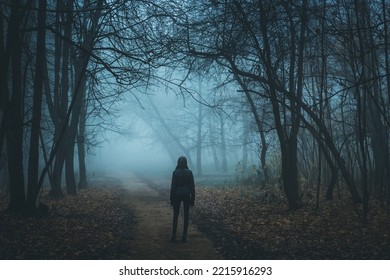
{"x": 182, "y": 190}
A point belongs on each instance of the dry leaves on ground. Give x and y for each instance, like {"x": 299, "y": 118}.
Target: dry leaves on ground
{"x": 92, "y": 225}
{"x": 250, "y": 223}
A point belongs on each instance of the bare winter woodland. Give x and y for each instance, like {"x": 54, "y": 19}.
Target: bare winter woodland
{"x": 281, "y": 107}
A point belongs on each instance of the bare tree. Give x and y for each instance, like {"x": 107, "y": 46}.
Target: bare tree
{"x": 33, "y": 162}
{"x": 13, "y": 111}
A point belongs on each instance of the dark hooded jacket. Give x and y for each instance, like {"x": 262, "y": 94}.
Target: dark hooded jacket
{"x": 182, "y": 186}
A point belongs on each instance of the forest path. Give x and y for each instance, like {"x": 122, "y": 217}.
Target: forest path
{"x": 154, "y": 226}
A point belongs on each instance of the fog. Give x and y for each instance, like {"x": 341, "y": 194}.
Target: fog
{"x": 130, "y": 146}
{"x": 121, "y": 153}
{"x": 152, "y": 128}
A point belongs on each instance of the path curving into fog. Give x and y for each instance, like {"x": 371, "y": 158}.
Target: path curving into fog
{"x": 153, "y": 228}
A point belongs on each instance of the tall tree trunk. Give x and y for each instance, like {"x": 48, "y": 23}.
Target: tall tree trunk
{"x": 61, "y": 103}
{"x": 263, "y": 154}
{"x": 71, "y": 186}
{"x": 385, "y": 196}
{"x": 213, "y": 146}
{"x": 244, "y": 162}
{"x": 223, "y": 146}
{"x": 199, "y": 141}
{"x": 79, "y": 96}
{"x": 290, "y": 172}
{"x": 14, "y": 133}
{"x": 33, "y": 163}
{"x": 81, "y": 145}
{"x": 81, "y": 63}
{"x": 56, "y": 188}
{"x": 4, "y": 94}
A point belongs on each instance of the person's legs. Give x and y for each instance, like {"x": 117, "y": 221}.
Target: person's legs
{"x": 186, "y": 204}
{"x": 176, "y": 210}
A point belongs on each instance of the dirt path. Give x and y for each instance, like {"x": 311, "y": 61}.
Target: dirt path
{"x": 153, "y": 227}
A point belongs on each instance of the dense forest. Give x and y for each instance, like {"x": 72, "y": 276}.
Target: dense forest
{"x": 294, "y": 93}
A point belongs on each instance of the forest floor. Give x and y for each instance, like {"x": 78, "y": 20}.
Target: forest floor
{"x": 119, "y": 217}
{"x": 124, "y": 216}
{"x": 153, "y": 228}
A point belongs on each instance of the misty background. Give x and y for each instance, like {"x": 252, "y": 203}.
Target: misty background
{"x": 150, "y": 131}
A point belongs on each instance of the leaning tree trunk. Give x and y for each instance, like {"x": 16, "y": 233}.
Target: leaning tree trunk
{"x": 171, "y": 134}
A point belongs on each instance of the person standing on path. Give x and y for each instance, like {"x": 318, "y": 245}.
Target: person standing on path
{"x": 182, "y": 190}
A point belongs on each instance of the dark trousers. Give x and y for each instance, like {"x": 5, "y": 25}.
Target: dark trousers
{"x": 176, "y": 211}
